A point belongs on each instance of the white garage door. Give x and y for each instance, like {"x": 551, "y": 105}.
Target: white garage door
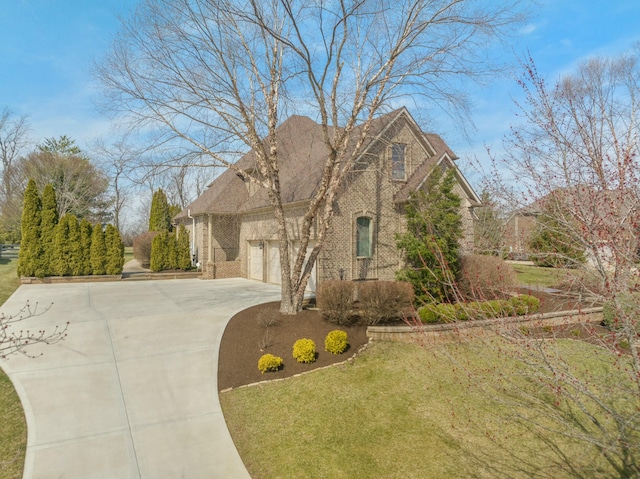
{"x": 273, "y": 263}
{"x": 256, "y": 270}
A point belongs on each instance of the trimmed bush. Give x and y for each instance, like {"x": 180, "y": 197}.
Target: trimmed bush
{"x": 159, "y": 257}
{"x": 428, "y": 313}
{"x": 438, "y": 313}
{"x": 615, "y": 318}
{"x": 30, "y": 255}
{"x": 304, "y": 351}
{"x": 485, "y": 276}
{"x": 269, "y": 362}
{"x": 524, "y": 304}
{"x": 85, "y": 247}
{"x": 384, "y": 300}
{"x": 142, "y": 248}
{"x": 335, "y": 300}
{"x": 336, "y": 342}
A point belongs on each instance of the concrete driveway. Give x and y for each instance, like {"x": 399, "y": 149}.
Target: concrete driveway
{"x": 131, "y": 392}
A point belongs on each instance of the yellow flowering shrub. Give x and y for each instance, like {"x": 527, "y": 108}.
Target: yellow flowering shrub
{"x": 269, "y": 362}
{"x": 336, "y": 342}
{"x": 304, "y": 351}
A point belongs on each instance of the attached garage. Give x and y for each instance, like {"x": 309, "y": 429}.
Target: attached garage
{"x": 257, "y": 265}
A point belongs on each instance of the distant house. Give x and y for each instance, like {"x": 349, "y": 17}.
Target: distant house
{"x": 606, "y": 221}
{"x": 235, "y": 229}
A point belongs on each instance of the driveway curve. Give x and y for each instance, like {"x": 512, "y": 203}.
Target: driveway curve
{"x": 131, "y": 392}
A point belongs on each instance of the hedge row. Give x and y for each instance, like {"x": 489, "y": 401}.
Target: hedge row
{"x": 475, "y": 310}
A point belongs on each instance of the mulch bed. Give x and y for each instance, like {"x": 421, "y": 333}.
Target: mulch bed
{"x": 247, "y": 337}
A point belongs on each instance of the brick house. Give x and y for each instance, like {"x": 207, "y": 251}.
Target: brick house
{"x": 235, "y": 229}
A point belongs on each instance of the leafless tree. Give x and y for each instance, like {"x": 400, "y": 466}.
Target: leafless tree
{"x": 14, "y": 138}
{"x": 576, "y": 153}
{"x": 17, "y": 342}
{"x": 219, "y": 77}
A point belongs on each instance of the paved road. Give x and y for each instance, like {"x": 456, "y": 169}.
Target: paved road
{"x": 131, "y": 392}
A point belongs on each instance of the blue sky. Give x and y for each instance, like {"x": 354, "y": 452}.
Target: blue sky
{"x": 47, "y": 47}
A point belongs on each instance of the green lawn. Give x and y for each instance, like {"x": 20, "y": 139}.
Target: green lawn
{"x": 546, "y": 277}
{"x": 13, "y": 427}
{"x": 128, "y": 253}
{"x": 399, "y": 411}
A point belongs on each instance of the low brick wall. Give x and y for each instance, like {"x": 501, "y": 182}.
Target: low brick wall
{"x": 70, "y": 279}
{"x": 472, "y": 329}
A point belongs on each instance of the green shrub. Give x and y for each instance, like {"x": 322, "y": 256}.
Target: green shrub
{"x": 159, "y": 258}
{"x": 524, "y": 304}
{"x": 269, "y": 362}
{"x": 336, "y": 342}
{"x": 438, "y": 313}
{"x": 98, "y": 251}
{"x": 114, "y": 250}
{"x": 184, "y": 249}
{"x": 614, "y": 318}
{"x": 384, "y": 300}
{"x": 462, "y": 312}
{"x": 335, "y": 300}
{"x": 428, "y": 313}
{"x": 304, "y": 351}
{"x": 485, "y": 276}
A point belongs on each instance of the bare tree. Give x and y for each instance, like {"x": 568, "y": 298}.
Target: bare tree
{"x": 576, "y": 154}
{"x": 219, "y": 77}
{"x": 17, "y": 342}
{"x": 14, "y": 138}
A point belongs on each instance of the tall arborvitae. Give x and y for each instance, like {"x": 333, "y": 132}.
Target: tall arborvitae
{"x": 184, "y": 250}
{"x": 30, "y": 255}
{"x": 171, "y": 248}
{"x": 48, "y": 227}
{"x": 98, "y": 251}
{"x": 160, "y": 215}
{"x": 85, "y": 247}
{"x": 158, "y": 252}
{"x": 62, "y": 251}
{"x": 75, "y": 254}
{"x": 115, "y": 250}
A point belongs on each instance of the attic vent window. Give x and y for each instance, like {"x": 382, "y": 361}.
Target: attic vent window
{"x": 397, "y": 161}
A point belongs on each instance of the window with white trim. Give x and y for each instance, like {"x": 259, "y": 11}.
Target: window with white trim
{"x": 364, "y": 237}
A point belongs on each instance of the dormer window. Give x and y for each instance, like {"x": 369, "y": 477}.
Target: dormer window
{"x": 397, "y": 161}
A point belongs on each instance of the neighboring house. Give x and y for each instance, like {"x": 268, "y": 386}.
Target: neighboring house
{"x": 235, "y": 229}
{"x": 518, "y": 231}
{"x": 606, "y": 220}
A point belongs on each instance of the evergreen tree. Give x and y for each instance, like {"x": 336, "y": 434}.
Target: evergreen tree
{"x": 85, "y": 247}
{"x": 48, "y": 227}
{"x": 160, "y": 215}
{"x": 432, "y": 241}
{"x": 115, "y": 250}
{"x": 62, "y": 253}
{"x": 30, "y": 254}
{"x": 75, "y": 253}
{"x": 98, "y": 251}
{"x": 158, "y": 252}
{"x": 171, "y": 251}
{"x": 552, "y": 243}
{"x": 184, "y": 249}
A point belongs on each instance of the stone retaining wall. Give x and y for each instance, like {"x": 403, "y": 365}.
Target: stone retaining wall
{"x": 471, "y": 329}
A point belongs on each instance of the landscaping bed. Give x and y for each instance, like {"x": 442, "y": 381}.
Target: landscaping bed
{"x": 244, "y": 339}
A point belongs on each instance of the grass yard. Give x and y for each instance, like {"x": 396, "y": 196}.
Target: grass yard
{"x": 13, "y": 427}
{"x": 128, "y": 253}
{"x": 535, "y": 275}
{"x": 398, "y": 411}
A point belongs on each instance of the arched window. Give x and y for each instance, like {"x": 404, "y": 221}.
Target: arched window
{"x": 363, "y": 237}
